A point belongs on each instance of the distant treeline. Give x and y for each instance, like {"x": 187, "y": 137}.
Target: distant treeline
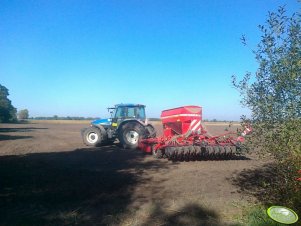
{"x": 75, "y": 118}
{"x": 154, "y": 119}
{"x": 217, "y": 120}
{"x": 55, "y": 117}
{"x": 204, "y": 120}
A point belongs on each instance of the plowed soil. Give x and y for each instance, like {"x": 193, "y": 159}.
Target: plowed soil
{"x": 49, "y": 177}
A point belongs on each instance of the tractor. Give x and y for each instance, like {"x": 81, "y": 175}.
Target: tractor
{"x": 184, "y": 135}
{"x": 128, "y": 124}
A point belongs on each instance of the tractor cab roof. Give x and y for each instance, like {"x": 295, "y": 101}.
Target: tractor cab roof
{"x": 127, "y": 105}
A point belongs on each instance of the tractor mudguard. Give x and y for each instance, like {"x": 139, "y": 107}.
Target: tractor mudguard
{"x": 148, "y": 130}
{"x": 131, "y": 120}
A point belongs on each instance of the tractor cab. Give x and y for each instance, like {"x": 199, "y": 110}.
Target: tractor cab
{"x": 122, "y": 112}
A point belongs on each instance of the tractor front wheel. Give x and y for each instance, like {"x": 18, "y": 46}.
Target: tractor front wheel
{"x": 92, "y": 136}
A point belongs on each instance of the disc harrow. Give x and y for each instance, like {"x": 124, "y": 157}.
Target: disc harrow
{"x": 195, "y": 152}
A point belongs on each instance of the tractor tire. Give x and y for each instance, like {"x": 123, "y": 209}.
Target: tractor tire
{"x": 92, "y": 136}
{"x": 129, "y": 135}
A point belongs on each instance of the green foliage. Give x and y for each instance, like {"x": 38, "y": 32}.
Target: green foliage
{"x": 7, "y": 111}
{"x": 273, "y": 95}
{"x": 23, "y": 114}
{"x": 257, "y": 216}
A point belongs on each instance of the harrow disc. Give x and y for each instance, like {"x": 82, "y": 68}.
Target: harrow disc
{"x": 181, "y": 153}
{"x": 174, "y": 153}
{"x": 192, "y": 153}
{"x": 198, "y": 151}
{"x": 204, "y": 152}
{"x": 210, "y": 150}
{"x": 171, "y": 152}
{"x": 228, "y": 150}
{"x": 222, "y": 150}
{"x": 186, "y": 153}
{"x": 233, "y": 149}
{"x": 216, "y": 151}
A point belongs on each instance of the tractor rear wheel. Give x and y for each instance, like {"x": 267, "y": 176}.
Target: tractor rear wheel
{"x": 129, "y": 134}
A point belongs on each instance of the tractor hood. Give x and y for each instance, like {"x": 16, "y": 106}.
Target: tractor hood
{"x": 105, "y": 122}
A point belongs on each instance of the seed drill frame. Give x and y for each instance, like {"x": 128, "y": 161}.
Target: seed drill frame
{"x": 184, "y": 137}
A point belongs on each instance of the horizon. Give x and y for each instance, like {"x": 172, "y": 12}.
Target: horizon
{"x": 59, "y": 58}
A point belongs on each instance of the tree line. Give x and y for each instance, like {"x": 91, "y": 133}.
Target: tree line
{"x": 8, "y": 113}
{"x": 55, "y": 117}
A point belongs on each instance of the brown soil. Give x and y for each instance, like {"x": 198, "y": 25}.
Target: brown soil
{"x": 48, "y": 177}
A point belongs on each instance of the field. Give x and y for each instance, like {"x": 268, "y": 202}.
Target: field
{"x": 48, "y": 177}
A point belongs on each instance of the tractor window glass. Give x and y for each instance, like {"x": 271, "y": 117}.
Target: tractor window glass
{"x": 131, "y": 112}
{"x": 120, "y": 113}
{"x": 140, "y": 113}
{"x": 112, "y": 112}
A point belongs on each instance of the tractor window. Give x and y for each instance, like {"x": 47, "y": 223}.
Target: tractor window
{"x": 112, "y": 112}
{"x": 131, "y": 112}
{"x": 120, "y": 112}
{"x": 140, "y": 112}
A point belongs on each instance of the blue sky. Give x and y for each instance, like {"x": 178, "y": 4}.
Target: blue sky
{"x": 75, "y": 58}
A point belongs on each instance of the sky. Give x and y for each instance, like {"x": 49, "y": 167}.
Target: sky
{"x": 76, "y": 58}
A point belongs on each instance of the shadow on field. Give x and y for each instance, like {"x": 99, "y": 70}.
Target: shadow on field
{"x": 13, "y": 130}
{"x": 89, "y": 186}
{"x": 270, "y": 185}
{"x": 9, "y": 137}
{"x": 257, "y": 182}
{"x": 191, "y": 214}
{"x": 264, "y": 183}
{"x": 85, "y": 187}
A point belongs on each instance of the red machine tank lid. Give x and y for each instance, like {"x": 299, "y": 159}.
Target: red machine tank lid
{"x": 190, "y": 110}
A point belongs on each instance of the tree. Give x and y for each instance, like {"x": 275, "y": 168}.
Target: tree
{"x": 7, "y": 111}
{"x": 23, "y": 114}
{"x": 273, "y": 95}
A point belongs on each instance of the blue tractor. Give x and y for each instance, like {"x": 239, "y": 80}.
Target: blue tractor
{"x": 128, "y": 124}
